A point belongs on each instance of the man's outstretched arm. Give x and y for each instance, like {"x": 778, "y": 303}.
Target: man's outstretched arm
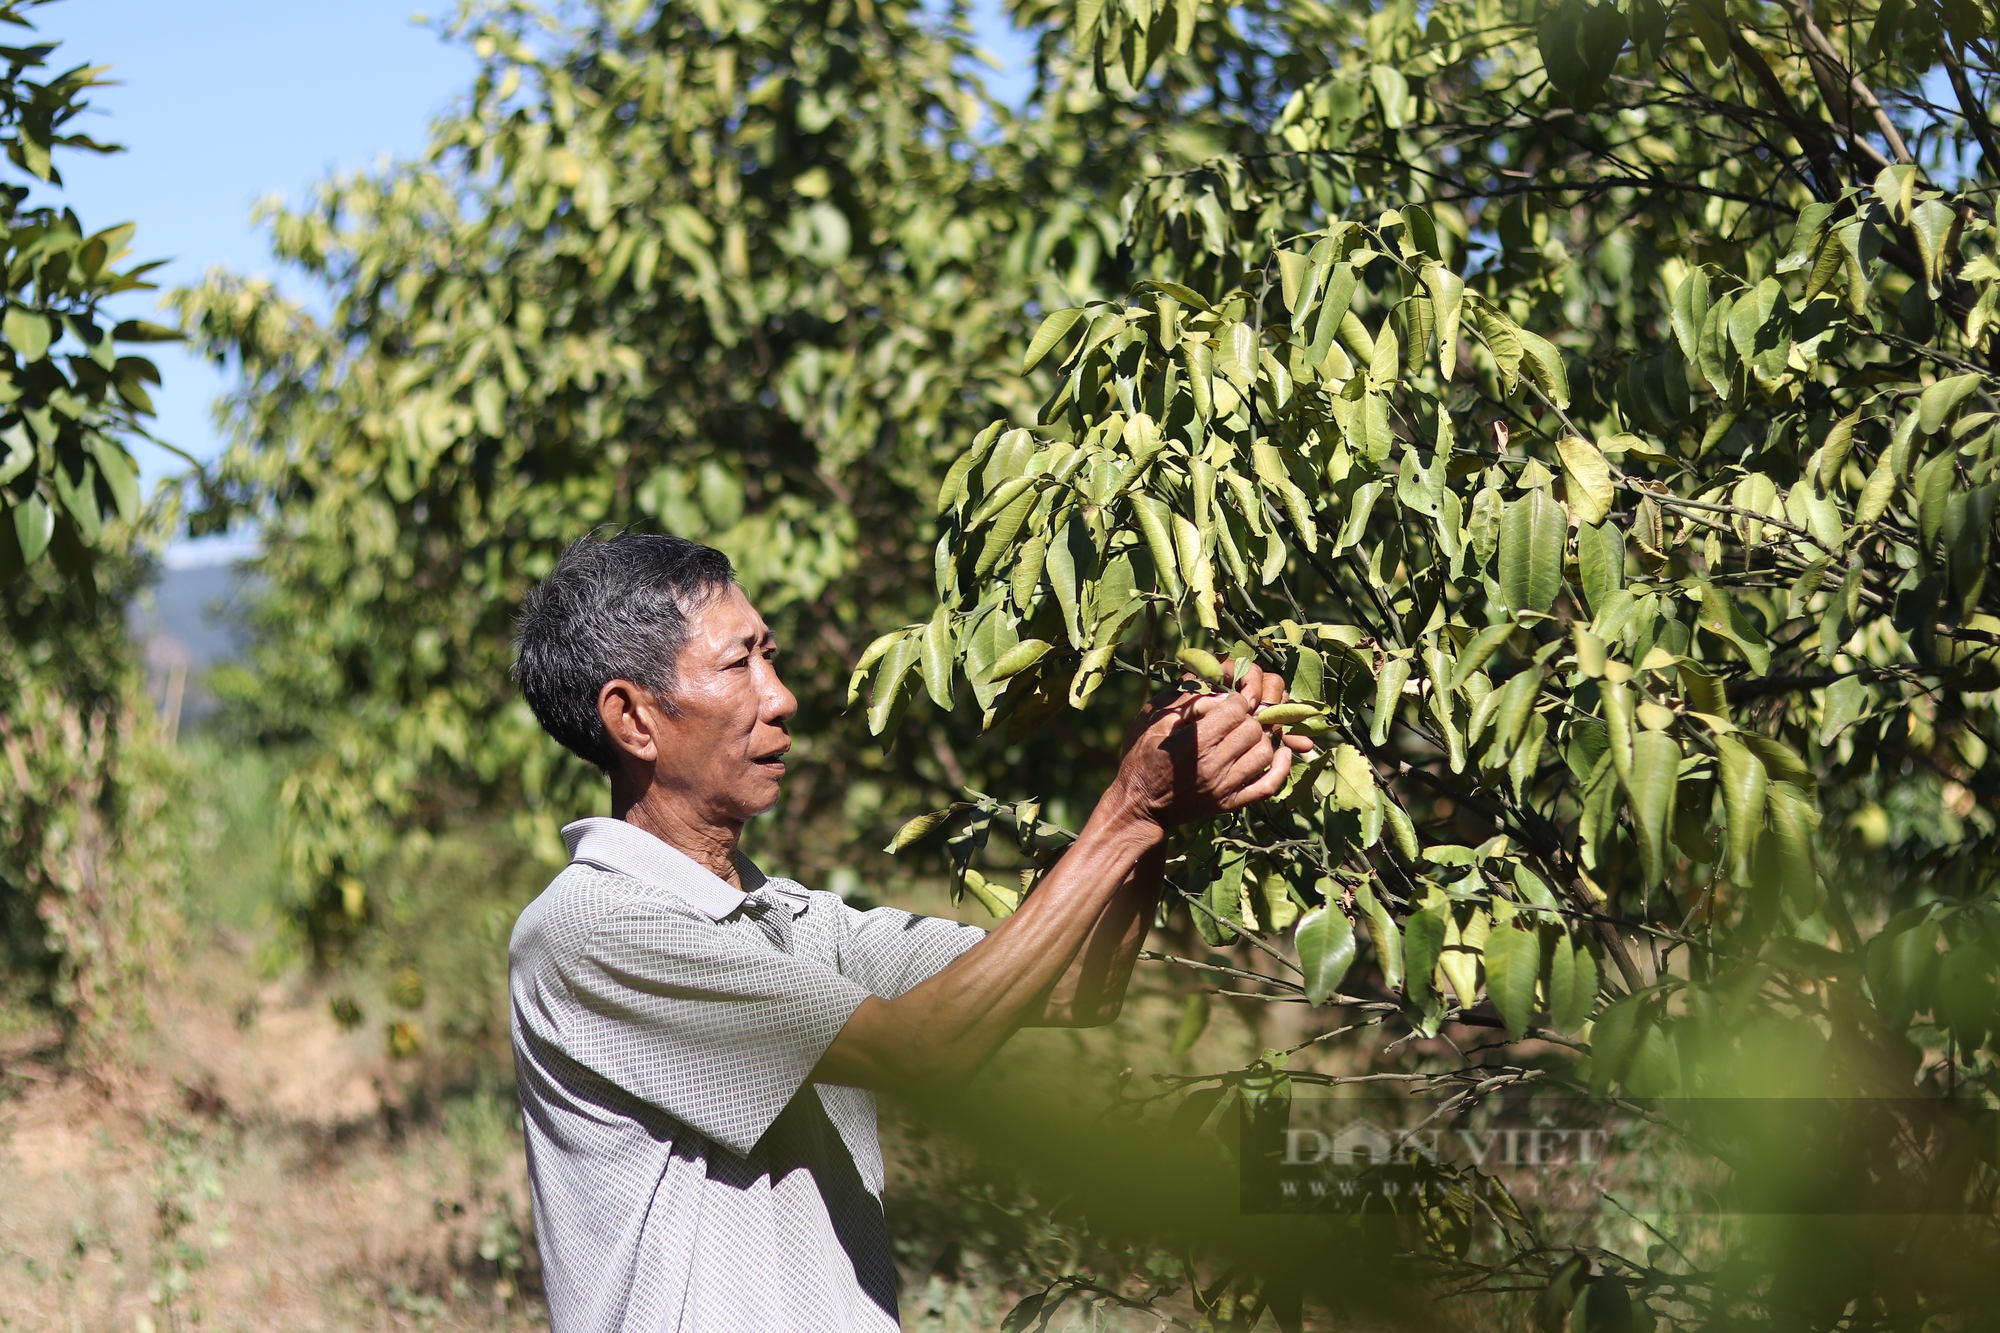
{"x": 1092, "y": 990}
{"x": 1195, "y": 757}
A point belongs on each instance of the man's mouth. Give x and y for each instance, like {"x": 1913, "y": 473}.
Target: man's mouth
{"x": 774, "y": 760}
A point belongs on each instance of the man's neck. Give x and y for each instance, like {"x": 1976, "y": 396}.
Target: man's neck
{"x": 707, "y": 843}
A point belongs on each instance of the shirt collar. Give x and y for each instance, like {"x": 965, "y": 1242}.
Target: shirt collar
{"x": 627, "y": 849}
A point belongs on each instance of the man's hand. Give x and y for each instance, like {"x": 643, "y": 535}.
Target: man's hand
{"x": 1190, "y": 756}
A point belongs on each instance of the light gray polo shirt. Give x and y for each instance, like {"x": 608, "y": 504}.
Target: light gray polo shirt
{"x": 664, "y": 1023}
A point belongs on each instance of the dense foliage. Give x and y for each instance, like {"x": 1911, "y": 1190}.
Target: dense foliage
{"x": 68, "y": 397}
{"x": 1590, "y": 408}
{"x": 82, "y": 873}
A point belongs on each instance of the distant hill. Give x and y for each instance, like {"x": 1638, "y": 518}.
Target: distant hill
{"x": 187, "y": 622}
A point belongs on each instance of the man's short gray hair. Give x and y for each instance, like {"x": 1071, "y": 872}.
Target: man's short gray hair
{"x": 612, "y": 609}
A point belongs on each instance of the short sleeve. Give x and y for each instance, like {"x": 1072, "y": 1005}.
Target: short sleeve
{"x": 714, "y": 1027}
{"x": 890, "y": 952}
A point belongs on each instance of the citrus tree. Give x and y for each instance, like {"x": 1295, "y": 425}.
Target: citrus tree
{"x": 78, "y": 865}
{"x": 1589, "y": 409}
{"x": 70, "y": 397}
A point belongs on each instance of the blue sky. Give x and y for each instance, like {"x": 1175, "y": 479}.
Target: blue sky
{"x": 221, "y": 102}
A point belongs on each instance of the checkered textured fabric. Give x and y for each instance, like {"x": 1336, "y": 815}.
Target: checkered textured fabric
{"x": 664, "y": 1025}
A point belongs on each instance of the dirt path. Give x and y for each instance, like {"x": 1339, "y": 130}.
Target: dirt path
{"x": 254, "y": 1167}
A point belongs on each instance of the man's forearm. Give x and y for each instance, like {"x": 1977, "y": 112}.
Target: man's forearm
{"x": 1091, "y": 991}
{"x": 948, "y": 1026}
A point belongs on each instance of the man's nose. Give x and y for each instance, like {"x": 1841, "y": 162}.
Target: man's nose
{"x": 780, "y": 704}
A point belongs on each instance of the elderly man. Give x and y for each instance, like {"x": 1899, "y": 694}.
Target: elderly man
{"x": 695, "y": 1041}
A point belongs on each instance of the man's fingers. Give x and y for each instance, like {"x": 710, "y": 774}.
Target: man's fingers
{"x": 1249, "y": 682}
{"x": 1265, "y": 787}
{"x": 1272, "y": 689}
{"x": 1249, "y": 766}
{"x": 1299, "y": 743}
{"x": 1221, "y": 749}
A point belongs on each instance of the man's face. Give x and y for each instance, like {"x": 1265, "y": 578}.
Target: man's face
{"x": 725, "y": 750}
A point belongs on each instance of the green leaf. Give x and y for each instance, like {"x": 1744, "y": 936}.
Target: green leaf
{"x": 115, "y": 466}
{"x": 27, "y": 333}
{"x": 1029, "y": 1309}
{"x": 916, "y": 830}
{"x": 1846, "y": 699}
{"x": 1656, "y": 760}
{"x": 1353, "y": 780}
{"x": 1017, "y": 659}
{"x": 1793, "y": 819}
{"x": 1460, "y": 960}
{"x": 1902, "y": 966}
{"x": 1690, "y": 312}
{"x": 1194, "y": 1022}
{"x": 1545, "y": 366}
{"x": 1572, "y": 984}
{"x": 1720, "y": 615}
{"x": 1940, "y": 400}
{"x": 940, "y": 647}
{"x": 1743, "y": 791}
{"x": 1403, "y": 830}
{"x": 1780, "y": 760}
{"x": 139, "y": 331}
{"x": 888, "y": 692}
{"x": 1447, "y": 293}
{"x": 1527, "y": 757}
{"x": 1294, "y": 273}
{"x": 1502, "y": 337}
{"x": 1156, "y": 522}
{"x": 1515, "y": 704}
{"x": 1385, "y": 367}
{"x": 1052, "y": 331}
{"x": 1532, "y": 536}
{"x": 1478, "y": 652}
{"x": 1614, "y": 1040}
{"x": 1586, "y": 479}
{"x": 1308, "y": 682}
{"x": 1600, "y": 561}
{"x": 1616, "y": 697}
{"x": 1028, "y": 565}
{"x": 34, "y": 525}
{"x": 1936, "y": 226}
{"x": 1388, "y": 694}
{"x": 1383, "y": 933}
{"x": 870, "y": 655}
{"x": 1423, "y": 945}
{"x": 1070, "y": 555}
{"x": 1932, "y": 486}
{"x": 1224, "y": 900}
{"x": 1325, "y": 941}
{"x": 1967, "y": 996}
{"x": 1513, "y": 962}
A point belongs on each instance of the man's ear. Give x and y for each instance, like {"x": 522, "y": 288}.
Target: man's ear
{"x": 632, "y": 718}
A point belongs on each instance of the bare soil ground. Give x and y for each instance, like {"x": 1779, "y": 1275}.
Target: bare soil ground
{"x": 253, "y": 1166}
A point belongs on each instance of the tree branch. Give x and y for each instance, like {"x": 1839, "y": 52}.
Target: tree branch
{"x": 1975, "y": 115}
{"x": 1819, "y": 49}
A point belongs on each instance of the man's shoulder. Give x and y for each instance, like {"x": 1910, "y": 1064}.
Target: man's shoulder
{"x": 583, "y": 899}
